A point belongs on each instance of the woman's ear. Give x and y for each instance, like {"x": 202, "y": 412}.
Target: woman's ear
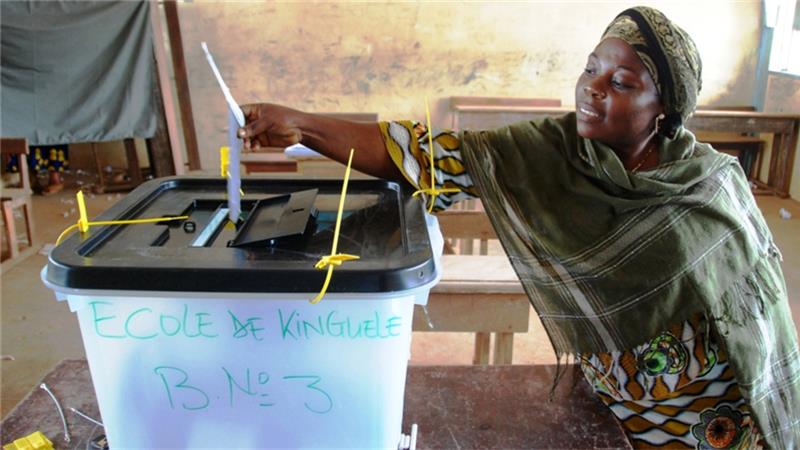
{"x": 669, "y": 125}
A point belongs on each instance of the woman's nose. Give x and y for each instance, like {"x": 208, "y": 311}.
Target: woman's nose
{"x": 590, "y": 89}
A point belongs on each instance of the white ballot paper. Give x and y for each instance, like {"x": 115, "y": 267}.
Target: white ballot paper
{"x": 235, "y": 120}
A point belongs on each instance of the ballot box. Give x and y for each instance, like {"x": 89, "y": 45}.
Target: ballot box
{"x": 200, "y": 332}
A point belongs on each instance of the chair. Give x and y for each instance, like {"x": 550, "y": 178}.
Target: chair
{"x": 16, "y": 198}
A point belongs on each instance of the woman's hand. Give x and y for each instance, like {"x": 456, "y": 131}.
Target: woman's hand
{"x": 268, "y": 125}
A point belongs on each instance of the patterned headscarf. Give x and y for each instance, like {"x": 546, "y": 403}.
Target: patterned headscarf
{"x": 669, "y": 55}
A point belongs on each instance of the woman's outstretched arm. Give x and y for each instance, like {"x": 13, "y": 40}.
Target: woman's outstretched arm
{"x": 269, "y": 125}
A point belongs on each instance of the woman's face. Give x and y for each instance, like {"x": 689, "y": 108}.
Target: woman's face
{"x": 616, "y": 100}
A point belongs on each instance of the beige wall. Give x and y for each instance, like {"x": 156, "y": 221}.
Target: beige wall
{"x": 388, "y": 57}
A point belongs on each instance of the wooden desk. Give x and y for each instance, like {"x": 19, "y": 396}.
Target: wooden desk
{"x": 480, "y": 294}
{"x": 323, "y": 167}
{"x": 748, "y": 150}
{"x": 784, "y": 127}
{"x": 469, "y": 407}
{"x": 477, "y": 293}
{"x": 506, "y": 407}
{"x": 267, "y": 162}
{"x": 133, "y": 170}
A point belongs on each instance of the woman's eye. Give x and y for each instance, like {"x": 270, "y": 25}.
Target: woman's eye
{"x": 589, "y": 70}
{"x": 619, "y": 84}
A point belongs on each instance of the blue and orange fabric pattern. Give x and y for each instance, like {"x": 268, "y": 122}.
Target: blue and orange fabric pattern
{"x": 675, "y": 391}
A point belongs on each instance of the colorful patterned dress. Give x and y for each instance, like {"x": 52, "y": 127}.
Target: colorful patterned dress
{"x": 675, "y": 391}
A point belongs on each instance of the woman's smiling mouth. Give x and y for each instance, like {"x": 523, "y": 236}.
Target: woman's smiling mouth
{"x": 587, "y": 113}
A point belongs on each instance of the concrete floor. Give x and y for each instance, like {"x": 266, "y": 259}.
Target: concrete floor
{"x": 37, "y": 331}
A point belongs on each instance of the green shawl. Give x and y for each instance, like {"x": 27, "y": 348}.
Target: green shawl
{"x": 610, "y": 258}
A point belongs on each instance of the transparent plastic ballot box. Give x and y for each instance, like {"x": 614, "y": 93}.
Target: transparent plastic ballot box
{"x": 199, "y": 332}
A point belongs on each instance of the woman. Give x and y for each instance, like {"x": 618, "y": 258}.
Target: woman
{"x": 642, "y": 250}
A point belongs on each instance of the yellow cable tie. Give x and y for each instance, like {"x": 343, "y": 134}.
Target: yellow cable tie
{"x": 435, "y": 191}
{"x": 225, "y": 164}
{"x": 65, "y": 232}
{"x": 432, "y": 191}
{"x": 224, "y": 161}
{"x": 84, "y": 224}
{"x": 335, "y": 259}
{"x": 83, "y": 220}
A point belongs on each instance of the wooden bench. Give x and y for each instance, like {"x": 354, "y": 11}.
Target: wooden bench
{"x": 500, "y": 105}
{"x": 462, "y": 227}
{"x": 747, "y": 149}
{"x": 477, "y": 293}
{"x": 481, "y": 294}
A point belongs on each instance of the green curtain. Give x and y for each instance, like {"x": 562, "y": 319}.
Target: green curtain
{"x": 76, "y": 71}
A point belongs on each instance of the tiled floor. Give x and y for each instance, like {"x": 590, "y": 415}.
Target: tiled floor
{"x": 37, "y": 331}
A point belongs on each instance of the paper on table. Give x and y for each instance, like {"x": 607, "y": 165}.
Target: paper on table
{"x": 235, "y": 120}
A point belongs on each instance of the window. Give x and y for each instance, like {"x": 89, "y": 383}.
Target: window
{"x": 783, "y": 16}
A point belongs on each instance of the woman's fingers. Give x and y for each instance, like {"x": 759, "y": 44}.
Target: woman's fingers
{"x": 253, "y": 123}
{"x": 266, "y": 129}
{"x": 255, "y": 128}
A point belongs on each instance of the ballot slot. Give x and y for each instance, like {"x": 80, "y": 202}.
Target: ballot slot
{"x": 212, "y": 228}
{"x": 283, "y": 221}
{"x": 202, "y": 225}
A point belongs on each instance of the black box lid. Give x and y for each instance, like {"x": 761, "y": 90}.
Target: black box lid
{"x": 381, "y": 223}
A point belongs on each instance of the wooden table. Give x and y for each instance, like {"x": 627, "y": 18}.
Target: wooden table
{"x": 267, "y": 162}
{"x": 506, "y": 407}
{"x": 784, "y": 127}
{"x": 479, "y": 294}
{"x": 458, "y": 407}
{"x": 133, "y": 170}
